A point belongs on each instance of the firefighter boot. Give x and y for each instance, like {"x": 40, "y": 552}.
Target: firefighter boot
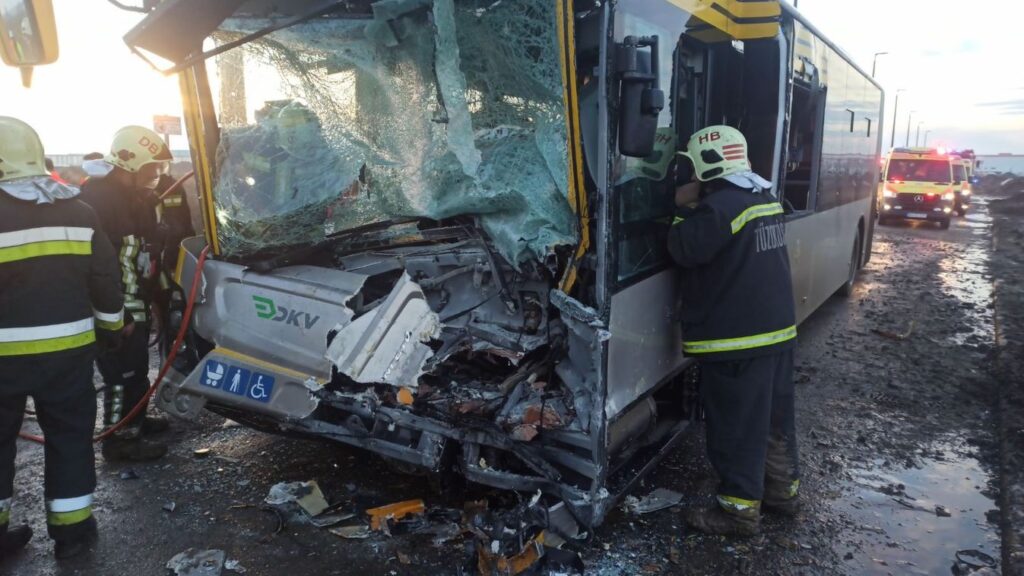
{"x": 726, "y": 522}
{"x": 132, "y": 450}
{"x": 13, "y": 540}
{"x": 154, "y": 424}
{"x": 64, "y": 549}
{"x": 781, "y": 497}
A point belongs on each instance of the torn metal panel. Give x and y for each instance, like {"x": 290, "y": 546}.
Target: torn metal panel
{"x": 388, "y": 344}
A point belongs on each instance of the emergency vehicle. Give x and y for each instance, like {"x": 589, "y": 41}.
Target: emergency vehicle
{"x": 918, "y": 185}
{"x": 961, "y": 184}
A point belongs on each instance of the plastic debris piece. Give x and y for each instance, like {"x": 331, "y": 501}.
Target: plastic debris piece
{"x": 129, "y": 474}
{"x": 202, "y": 452}
{"x": 357, "y": 532}
{"x": 192, "y": 562}
{"x": 169, "y": 506}
{"x": 660, "y": 499}
{"x": 307, "y": 495}
{"x": 235, "y": 566}
{"x": 381, "y": 515}
{"x": 971, "y": 561}
{"x": 405, "y": 396}
{"x": 489, "y": 562}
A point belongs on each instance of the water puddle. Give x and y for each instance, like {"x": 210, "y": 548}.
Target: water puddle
{"x": 916, "y": 520}
{"x": 964, "y": 276}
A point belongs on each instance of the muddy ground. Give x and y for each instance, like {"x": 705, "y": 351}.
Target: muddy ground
{"x": 897, "y": 412}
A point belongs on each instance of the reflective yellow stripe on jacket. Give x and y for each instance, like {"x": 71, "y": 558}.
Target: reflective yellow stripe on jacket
{"x": 43, "y": 339}
{"x": 754, "y": 212}
{"x": 45, "y": 241}
{"x": 742, "y": 343}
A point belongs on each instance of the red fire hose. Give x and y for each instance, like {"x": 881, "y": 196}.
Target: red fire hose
{"x": 186, "y": 320}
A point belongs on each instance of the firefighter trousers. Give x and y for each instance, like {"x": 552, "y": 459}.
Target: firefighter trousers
{"x": 125, "y": 372}
{"x": 62, "y": 391}
{"x": 751, "y": 427}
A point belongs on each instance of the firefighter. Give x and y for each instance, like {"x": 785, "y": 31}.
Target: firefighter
{"x": 59, "y": 292}
{"x": 738, "y": 318}
{"x": 126, "y": 202}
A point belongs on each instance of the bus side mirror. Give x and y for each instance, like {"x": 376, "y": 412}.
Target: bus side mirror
{"x": 28, "y": 35}
{"x": 640, "y": 99}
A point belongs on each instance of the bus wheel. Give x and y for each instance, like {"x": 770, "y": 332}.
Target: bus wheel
{"x": 846, "y": 290}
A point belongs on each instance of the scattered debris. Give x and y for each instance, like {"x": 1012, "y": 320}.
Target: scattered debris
{"x": 942, "y": 511}
{"x": 660, "y": 499}
{"x": 357, "y": 532}
{"x": 194, "y": 562}
{"x": 968, "y": 561}
{"x": 235, "y": 566}
{"x": 202, "y": 452}
{"x": 169, "y": 506}
{"x": 380, "y": 516}
{"x": 307, "y": 495}
{"x": 893, "y": 335}
{"x": 129, "y": 474}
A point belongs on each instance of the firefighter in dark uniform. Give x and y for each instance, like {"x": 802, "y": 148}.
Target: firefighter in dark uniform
{"x": 126, "y": 202}
{"x": 738, "y": 318}
{"x": 174, "y": 224}
{"x": 59, "y": 292}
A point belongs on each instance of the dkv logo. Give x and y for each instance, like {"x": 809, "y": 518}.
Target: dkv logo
{"x": 266, "y": 309}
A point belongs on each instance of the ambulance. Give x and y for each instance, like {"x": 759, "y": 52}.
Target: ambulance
{"x": 918, "y": 184}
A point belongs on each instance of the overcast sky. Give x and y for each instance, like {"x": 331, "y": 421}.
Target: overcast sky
{"x": 959, "y": 61}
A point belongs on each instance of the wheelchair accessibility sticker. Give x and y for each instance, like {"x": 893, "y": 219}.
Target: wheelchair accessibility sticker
{"x": 237, "y": 380}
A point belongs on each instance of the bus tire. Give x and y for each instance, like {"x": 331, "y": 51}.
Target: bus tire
{"x": 846, "y": 290}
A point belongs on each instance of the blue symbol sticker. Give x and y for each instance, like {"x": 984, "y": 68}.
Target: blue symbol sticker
{"x": 261, "y": 387}
{"x": 237, "y": 380}
{"x": 213, "y": 374}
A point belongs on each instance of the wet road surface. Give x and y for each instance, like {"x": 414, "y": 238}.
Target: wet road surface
{"x": 895, "y": 418}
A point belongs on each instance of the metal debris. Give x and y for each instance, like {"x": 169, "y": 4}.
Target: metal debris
{"x": 307, "y": 495}
{"x": 660, "y": 499}
{"x": 357, "y": 532}
{"x": 194, "y": 562}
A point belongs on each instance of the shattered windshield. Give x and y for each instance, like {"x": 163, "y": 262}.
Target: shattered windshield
{"x": 429, "y": 109}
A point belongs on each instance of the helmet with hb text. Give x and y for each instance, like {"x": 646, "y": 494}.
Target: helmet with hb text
{"x": 716, "y": 152}
{"x": 21, "y": 151}
{"x": 136, "y": 146}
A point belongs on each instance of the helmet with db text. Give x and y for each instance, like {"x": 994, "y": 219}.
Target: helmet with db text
{"x": 134, "y": 147}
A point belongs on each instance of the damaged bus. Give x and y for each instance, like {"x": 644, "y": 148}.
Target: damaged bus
{"x": 435, "y": 229}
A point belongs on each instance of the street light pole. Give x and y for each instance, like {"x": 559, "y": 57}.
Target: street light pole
{"x": 874, "y": 62}
{"x": 895, "y": 117}
{"x": 909, "y": 117}
{"x": 917, "y": 138}
{"x": 926, "y": 133}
